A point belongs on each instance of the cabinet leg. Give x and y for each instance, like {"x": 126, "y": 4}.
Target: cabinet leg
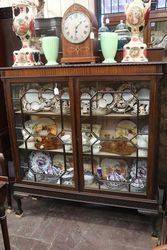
{"x": 19, "y": 211}
{"x": 9, "y": 197}
{"x": 154, "y": 223}
{"x": 4, "y": 228}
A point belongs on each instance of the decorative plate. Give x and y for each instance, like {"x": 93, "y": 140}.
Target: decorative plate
{"x": 40, "y": 162}
{"x": 58, "y": 161}
{"x": 32, "y": 95}
{"x": 127, "y": 129}
{"x": 112, "y": 167}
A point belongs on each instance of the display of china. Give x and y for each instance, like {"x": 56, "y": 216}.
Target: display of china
{"x": 88, "y": 178}
{"x": 96, "y": 145}
{"x": 124, "y": 35}
{"x": 50, "y": 46}
{"x": 103, "y": 102}
{"x": 24, "y": 12}
{"x": 125, "y": 98}
{"x": 137, "y": 14}
{"x": 109, "y": 45}
{"x": 137, "y": 185}
{"x": 67, "y": 177}
{"x": 85, "y": 142}
{"x": 36, "y": 100}
{"x": 27, "y": 131}
{"x": 139, "y": 169}
{"x": 143, "y": 104}
{"x": 67, "y": 140}
{"x": 85, "y": 103}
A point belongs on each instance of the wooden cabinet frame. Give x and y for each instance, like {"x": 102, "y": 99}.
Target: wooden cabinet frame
{"x": 75, "y": 74}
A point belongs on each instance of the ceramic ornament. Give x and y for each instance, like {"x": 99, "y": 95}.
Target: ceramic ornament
{"x": 24, "y": 13}
{"x": 137, "y": 14}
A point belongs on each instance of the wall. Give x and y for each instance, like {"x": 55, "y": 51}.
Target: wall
{"x": 55, "y": 7}
{"x": 58, "y": 7}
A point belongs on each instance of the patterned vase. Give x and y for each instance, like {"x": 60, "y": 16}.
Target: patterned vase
{"x": 23, "y": 25}
{"x": 137, "y": 14}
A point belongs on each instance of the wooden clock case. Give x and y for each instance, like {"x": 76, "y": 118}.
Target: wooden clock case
{"x": 86, "y": 51}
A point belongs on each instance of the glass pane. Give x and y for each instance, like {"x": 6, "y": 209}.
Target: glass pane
{"x": 43, "y": 131}
{"x": 107, "y": 7}
{"x": 114, "y": 118}
{"x": 161, "y": 4}
{"x": 121, "y": 5}
{"x": 159, "y": 34}
{"x": 114, "y": 6}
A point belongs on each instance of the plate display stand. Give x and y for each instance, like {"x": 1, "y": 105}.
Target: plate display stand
{"x": 85, "y": 133}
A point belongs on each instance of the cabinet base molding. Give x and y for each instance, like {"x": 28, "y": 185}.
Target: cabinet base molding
{"x": 144, "y": 206}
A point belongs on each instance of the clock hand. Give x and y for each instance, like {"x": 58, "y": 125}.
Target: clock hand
{"x": 78, "y": 25}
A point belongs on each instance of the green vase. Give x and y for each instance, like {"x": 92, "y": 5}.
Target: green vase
{"x": 50, "y": 46}
{"x": 109, "y": 45}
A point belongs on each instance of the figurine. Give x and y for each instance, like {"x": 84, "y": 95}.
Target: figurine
{"x": 137, "y": 14}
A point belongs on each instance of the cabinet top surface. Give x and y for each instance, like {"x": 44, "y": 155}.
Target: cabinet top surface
{"x": 66, "y": 70}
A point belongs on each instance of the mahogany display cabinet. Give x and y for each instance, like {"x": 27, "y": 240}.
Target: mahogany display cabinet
{"x": 86, "y": 133}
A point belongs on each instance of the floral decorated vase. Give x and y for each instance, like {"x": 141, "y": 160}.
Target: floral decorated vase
{"x": 23, "y": 25}
{"x": 137, "y": 14}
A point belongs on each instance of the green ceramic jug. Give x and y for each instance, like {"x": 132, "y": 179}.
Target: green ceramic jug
{"x": 50, "y": 46}
{"x": 109, "y": 45}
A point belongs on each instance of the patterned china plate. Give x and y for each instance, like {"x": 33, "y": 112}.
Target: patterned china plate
{"x": 32, "y": 95}
{"x": 40, "y": 162}
{"x": 127, "y": 129}
{"x": 116, "y": 170}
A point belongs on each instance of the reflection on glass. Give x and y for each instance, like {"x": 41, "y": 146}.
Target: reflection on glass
{"x": 159, "y": 34}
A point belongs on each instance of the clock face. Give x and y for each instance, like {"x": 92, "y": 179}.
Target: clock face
{"x": 76, "y": 27}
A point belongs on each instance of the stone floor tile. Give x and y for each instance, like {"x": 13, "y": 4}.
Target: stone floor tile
{"x": 55, "y": 225}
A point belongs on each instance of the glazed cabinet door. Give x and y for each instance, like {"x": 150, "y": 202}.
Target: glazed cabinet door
{"x": 41, "y": 120}
{"x": 115, "y": 143}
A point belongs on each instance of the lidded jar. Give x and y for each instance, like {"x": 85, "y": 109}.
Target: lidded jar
{"x": 124, "y": 35}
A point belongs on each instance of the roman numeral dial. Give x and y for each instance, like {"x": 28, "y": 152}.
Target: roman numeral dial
{"x": 76, "y": 27}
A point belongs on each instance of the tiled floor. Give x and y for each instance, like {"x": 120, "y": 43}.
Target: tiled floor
{"x": 51, "y": 225}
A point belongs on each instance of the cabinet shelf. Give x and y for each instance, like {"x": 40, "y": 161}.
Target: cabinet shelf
{"x": 41, "y": 113}
{"x": 112, "y": 115}
{"x": 23, "y": 147}
{"x": 106, "y": 154}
